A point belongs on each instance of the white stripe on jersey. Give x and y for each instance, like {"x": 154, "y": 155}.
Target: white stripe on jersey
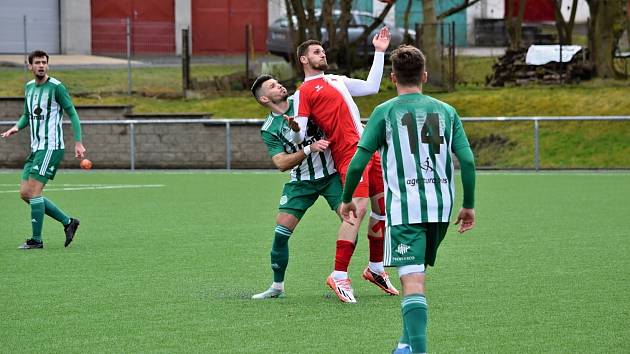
{"x": 337, "y": 83}
{"x": 395, "y": 213}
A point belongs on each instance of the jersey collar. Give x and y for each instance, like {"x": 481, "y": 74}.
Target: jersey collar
{"x": 318, "y": 76}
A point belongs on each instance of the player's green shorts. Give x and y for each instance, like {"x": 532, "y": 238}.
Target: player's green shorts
{"x": 298, "y": 196}
{"x": 413, "y": 244}
{"x": 42, "y": 165}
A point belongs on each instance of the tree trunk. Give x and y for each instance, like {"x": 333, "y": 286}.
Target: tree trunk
{"x": 327, "y": 20}
{"x": 515, "y": 25}
{"x": 607, "y": 22}
{"x": 406, "y": 38}
{"x": 429, "y": 43}
{"x": 564, "y": 28}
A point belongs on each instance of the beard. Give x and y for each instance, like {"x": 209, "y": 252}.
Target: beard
{"x": 281, "y": 98}
{"x": 322, "y": 66}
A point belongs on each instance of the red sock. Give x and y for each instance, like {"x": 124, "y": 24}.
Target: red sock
{"x": 345, "y": 249}
{"x": 376, "y": 248}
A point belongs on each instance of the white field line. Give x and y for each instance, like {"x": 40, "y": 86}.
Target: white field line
{"x": 79, "y": 187}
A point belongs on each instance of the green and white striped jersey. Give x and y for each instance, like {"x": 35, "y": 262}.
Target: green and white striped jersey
{"x": 416, "y": 135}
{"x": 44, "y": 105}
{"x": 276, "y": 134}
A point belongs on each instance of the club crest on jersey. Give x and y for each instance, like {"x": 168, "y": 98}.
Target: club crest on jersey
{"x": 283, "y": 200}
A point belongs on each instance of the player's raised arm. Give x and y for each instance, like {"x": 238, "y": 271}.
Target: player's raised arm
{"x": 373, "y": 82}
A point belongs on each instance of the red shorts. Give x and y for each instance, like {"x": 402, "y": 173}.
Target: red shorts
{"x": 371, "y": 181}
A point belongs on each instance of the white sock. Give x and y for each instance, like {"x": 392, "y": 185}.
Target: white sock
{"x": 377, "y": 267}
{"x": 338, "y": 275}
{"x": 278, "y": 286}
{"x": 403, "y": 345}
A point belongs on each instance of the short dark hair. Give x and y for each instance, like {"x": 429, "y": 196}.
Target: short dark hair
{"x": 37, "y": 53}
{"x": 303, "y": 47}
{"x": 258, "y": 84}
{"x": 408, "y": 64}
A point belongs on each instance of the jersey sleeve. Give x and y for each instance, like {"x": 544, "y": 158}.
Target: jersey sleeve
{"x": 23, "y": 120}
{"x": 374, "y": 133}
{"x": 63, "y": 98}
{"x": 373, "y": 82}
{"x": 274, "y": 145}
{"x": 301, "y": 104}
{"x": 460, "y": 140}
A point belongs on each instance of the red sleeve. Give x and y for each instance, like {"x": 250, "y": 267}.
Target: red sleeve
{"x": 301, "y": 101}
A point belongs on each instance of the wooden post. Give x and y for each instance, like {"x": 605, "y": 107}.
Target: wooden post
{"x": 185, "y": 63}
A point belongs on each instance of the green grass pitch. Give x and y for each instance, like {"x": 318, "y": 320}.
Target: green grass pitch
{"x": 166, "y": 262}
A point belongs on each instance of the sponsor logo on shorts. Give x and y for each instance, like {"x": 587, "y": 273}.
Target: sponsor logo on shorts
{"x": 402, "y": 248}
{"x": 283, "y": 200}
{"x": 401, "y": 259}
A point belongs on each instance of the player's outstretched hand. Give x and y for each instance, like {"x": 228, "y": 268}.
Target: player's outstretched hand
{"x": 381, "y": 40}
{"x": 465, "y": 220}
{"x": 9, "y": 132}
{"x": 347, "y": 209}
{"x": 292, "y": 123}
{"x": 79, "y": 150}
{"x": 319, "y": 145}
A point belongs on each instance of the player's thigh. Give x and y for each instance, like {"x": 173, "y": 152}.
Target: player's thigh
{"x": 331, "y": 189}
{"x": 297, "y": 197}
{"x": 43, "y": 165}
{"x": 375, "y": 176}
{"x": 405, "y": 245}
{"x": 436, "y": 231}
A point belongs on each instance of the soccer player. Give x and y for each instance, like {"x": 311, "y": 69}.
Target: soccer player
{"x": 45, "y": 100}
{"x": 417, "y": 136}
{"x": 313, "y": 173}
{"x": 327, "y": 100}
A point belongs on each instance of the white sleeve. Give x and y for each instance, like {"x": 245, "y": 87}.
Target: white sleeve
{"x": 373, "y": 82}
{"x": 298, "y": 137}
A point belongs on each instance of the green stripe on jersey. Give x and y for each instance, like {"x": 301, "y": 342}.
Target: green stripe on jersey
{"x": 277, "y": 136}
{"x": 45, "y": 114}
{"x": 416, "y": 157}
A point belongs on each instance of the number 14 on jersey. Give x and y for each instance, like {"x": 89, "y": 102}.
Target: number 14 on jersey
{"x": 429, "y": 134}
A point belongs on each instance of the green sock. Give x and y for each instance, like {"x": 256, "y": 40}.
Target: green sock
{"x": 415, "y": 316}
{"x": 37, "y": 217}
{"x": 280, "y": 253}
{"x": 404, "y": 337}
{"x": 54, "y": 212}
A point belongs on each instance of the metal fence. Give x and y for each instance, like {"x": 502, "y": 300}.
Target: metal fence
{"x": 228, "y": 123}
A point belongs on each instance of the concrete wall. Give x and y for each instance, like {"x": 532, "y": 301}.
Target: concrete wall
{"x": 76, "y": 27}
{"x": 171, "y": 146}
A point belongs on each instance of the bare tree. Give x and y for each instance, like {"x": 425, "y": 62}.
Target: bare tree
{"x": 515, "y": 25}
{"x": 565, "y": 29}
{"x": 606, "y": 25}
{"x": 457, "y": 8}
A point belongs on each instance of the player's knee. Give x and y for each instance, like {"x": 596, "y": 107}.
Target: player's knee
{"x": 412, "y": 278}
{"x": 25, "y": 194}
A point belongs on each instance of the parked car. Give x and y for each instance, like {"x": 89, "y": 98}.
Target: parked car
{"x": 279, "y": 43}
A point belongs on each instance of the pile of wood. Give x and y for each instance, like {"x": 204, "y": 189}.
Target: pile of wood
{"x": 511, "y": 69}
